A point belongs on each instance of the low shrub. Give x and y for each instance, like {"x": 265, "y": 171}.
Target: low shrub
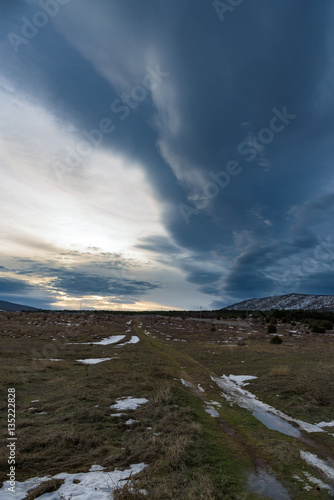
{"x": 316, "y": 328}
{"x": 276, "y": 340}
{"x": 272, "y": 328}
{"x": 327, "y": 324}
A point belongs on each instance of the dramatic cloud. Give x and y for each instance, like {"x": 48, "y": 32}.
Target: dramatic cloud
{"x": 161, "y": 154}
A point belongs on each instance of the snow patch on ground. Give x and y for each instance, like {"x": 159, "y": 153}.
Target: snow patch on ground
{"x": 212, "y": 411}
{"x": 128, "y": 403}
{"x": 93, "y": 361}
{"x": 134, "y": 339}
{"x": 326, "y": 424}
{"x": 131, "y": 421}
{"x": 93, "y": 485}
{"x": 95, "y": 468}
{"x": 241, "y": 379}
{"x": 109, "y": 340}
{"x": 318, "y": 463}
{"x": 317, "y": 481}
{"x": 210, "y": 408}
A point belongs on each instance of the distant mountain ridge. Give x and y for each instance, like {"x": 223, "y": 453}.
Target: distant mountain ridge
{"x": 11, "y": 307}
{"x": 288, "y": 302}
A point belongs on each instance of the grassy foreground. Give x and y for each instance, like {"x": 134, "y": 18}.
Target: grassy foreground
{"x": 63, "y": 407}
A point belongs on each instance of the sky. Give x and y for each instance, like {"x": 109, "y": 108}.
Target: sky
{"x": 165, "y": 154}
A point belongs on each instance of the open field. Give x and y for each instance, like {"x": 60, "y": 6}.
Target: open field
{"x": 193, "y": 433}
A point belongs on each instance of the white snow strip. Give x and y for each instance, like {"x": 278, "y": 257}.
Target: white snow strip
{"x": 130, "y": 421}
{"x": 316, "y": 481}
{"x": 129, "y": 322}
{"x": 128, "y": 403}
{"x": 110, "y": 340}
{"x": 234, "y": 393}
{"x": 213, "y": 403}
{"x": 184, "y": 382}
{"x": 55, "y": 360}
{"x": 211, "y": 411}
{"x": 95, "y": 468}
{"x": 93, "y": 485}
{"x": 210, "y": 408}
{"x": 93, "y": 361}
{"x": 200, "y": 388}
{"x": 134, "y": 339}
{"x": 326, "y": 424}
{"x": 318, "y": 463}
{"x": 240, "y": 379}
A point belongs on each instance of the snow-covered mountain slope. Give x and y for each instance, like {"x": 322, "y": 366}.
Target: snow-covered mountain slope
{"x": 290, "y": 301}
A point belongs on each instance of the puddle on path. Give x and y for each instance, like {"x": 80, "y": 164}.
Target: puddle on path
{"x": 276, "y": 423}
{"x": 271, "y": 417}
{"x": 267, "y": 485}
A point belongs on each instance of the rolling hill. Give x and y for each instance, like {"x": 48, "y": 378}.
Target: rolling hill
{"x": 292, "y": 301}
{"x": 11, "y": 307}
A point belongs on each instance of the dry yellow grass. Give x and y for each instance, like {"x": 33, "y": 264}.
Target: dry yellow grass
{"x": 280, "y": 371}
{"x": 189, "y": 453}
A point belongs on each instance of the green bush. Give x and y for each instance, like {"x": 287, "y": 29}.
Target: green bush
{"x": 272, "y": 328}
{"x": 273, "y": 321}
{"x": 316, "y": 328}
{"x": 327, "y": 324}
{"x": 276, "y": 340}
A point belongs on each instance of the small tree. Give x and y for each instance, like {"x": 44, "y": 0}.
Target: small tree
{"x": 272, "y": 328}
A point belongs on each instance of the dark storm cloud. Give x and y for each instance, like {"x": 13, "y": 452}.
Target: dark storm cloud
{"x": 14, "y": 286}
{"x": 311, "y": 283}
{"x": 225, "y": 78}
{"x": 103, "y": 278}
{"x": 313, "y": 212}
{"x": 78, "y": 283}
